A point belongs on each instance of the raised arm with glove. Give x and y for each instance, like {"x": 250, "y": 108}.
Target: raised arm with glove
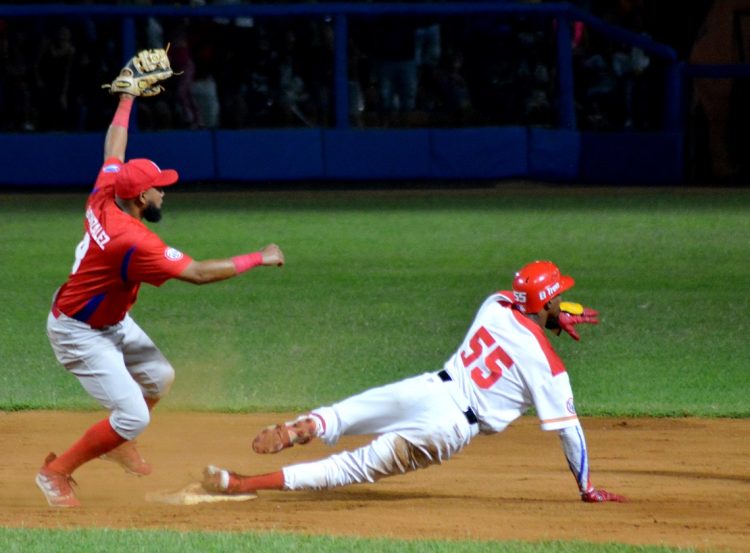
{"x": 143, "y": 73}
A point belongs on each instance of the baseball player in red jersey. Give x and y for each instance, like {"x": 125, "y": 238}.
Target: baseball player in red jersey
{"x": 89, "y": 328}
{"x": 504, "y": 366}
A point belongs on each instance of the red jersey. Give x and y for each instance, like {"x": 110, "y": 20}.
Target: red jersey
{"x": 117, "y": 253}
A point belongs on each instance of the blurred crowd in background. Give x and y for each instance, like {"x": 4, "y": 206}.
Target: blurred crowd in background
{"x": 278, "y": 72}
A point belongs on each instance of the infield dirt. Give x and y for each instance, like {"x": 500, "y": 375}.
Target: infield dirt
{"x": 688, "y": 481}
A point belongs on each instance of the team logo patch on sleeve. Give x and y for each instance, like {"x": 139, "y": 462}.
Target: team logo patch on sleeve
{"x": 173, "y": 254}
{"x": 111, "y": 168}
{"x": 571, "y": 406}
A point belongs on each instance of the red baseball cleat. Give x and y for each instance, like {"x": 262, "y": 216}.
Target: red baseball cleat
{"x": 127, "y": 456}
{"x": 281, "y": 436}
{"x": 56, "y": 486}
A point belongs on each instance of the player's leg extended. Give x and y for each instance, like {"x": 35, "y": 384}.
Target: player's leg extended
{"x": 433, "y": 428}
{"x": 388, "y": 455}
{"x": 393, "y": 407}
{"x": 436, "y": 430}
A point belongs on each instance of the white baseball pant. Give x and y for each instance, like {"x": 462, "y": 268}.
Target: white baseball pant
{"x": 420, "y": 420}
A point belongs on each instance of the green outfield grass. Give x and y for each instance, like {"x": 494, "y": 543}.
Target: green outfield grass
{"x": 382, "y": 285}
{"x": 107, "y": 541}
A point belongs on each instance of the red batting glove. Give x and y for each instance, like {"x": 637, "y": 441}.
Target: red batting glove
{"x": 567, "y": 321}
{"x": 600, "y": 496}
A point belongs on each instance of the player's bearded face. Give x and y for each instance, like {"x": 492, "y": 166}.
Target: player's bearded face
{"x": 152, "y": 213}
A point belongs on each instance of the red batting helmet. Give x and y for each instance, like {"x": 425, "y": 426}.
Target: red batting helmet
{"x": 537, "y": 283}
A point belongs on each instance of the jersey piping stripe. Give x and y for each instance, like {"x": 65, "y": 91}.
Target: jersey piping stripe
{"x": 561, "y": 419}
{"x": 125, "y": 263}
{"x": 84, "y": 314}
{"x": 555, "y": 363}
{"x": 582, "y": 476}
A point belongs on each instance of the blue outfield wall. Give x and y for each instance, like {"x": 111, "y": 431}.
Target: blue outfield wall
{"x": 192, "y": 154}
{"x": 269, "y": 155}
{"x": 554, "y": 155}
{"x": 480, "y": 153}
{"x": 625, "y": 158}
{"x": 344, "y": 154}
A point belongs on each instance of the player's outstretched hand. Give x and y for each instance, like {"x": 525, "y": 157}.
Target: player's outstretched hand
{"x": 600, "y": 496}
{"x": 272, "y": 255}
{"x": 572, "y": 314}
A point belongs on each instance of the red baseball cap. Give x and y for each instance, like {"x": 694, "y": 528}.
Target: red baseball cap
{"x": 138, "y": 175}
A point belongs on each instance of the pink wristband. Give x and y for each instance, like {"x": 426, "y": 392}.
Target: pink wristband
{"x": 247, "y": 261}
{"x": 122, "y": 115}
